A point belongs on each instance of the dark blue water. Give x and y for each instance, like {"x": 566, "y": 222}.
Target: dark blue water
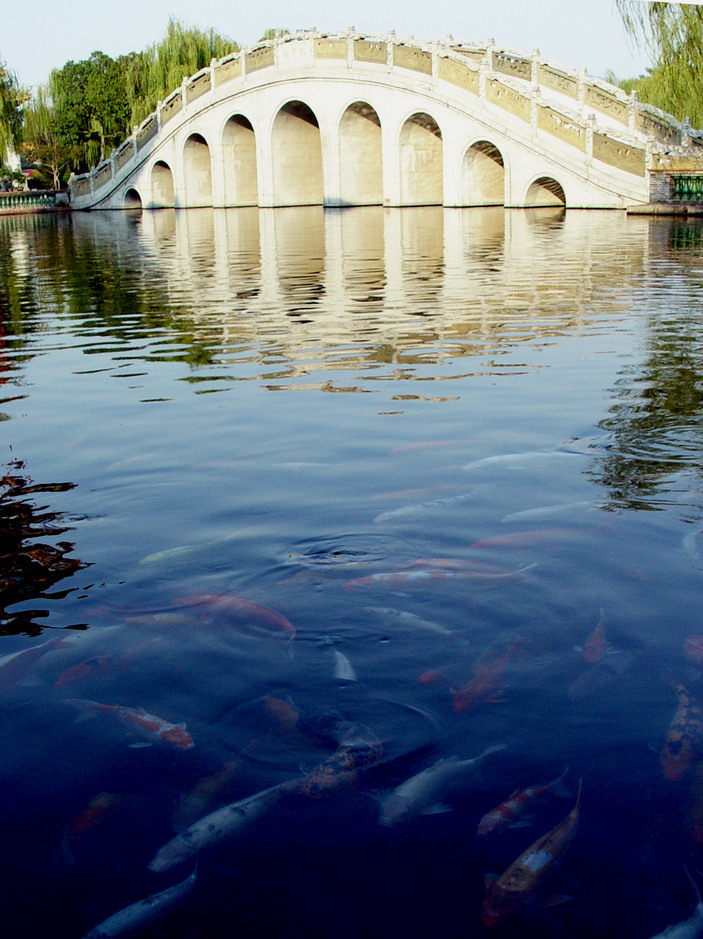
{"x": 442, "y": 446}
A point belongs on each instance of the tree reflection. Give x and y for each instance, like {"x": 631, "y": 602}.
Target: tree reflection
{"x": 28, "y": 567}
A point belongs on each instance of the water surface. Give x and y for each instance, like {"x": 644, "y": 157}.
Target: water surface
{"x": 301, "y": 409}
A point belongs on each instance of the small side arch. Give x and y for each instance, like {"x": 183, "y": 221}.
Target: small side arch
{"x": 131, "y": 199}
{"x": 197, "y": 168}
{"x": 360, "y": 156}
{"x": 239, "y": 162}
{"x": 483, "y": 175}
{"x": 162, "y": 190}
{"x": 545, "y": 191}
{"x": 296, "y": 148}
{"x": 421, "y": 161}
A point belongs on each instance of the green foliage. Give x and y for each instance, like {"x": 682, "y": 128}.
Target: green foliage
{"x": 153, "y": 74}
{"x": 673, "y": 32}
{"x": 43, "y": 143}
{"x": 12, "y": 97}
{"x": 274, "y": 34}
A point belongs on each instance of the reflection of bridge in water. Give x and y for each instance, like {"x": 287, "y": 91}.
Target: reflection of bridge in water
{"x": 314, "y": 119}
{"x": 367, "y": 287}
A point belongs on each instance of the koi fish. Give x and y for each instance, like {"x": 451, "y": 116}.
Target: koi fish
{"x": 143, "y": 912}
{"x": 15, "y": 667}
{"x": 220, "y": 825}
{"x": 596, "y": 645}
{"x": 693, "y": 650}
{"x": 517, "y": 461}
{"x": 526, "y": 875}
{"x": 402, "y": 618}
{"x": 422, "y": 794}
{"x": 359, "y": 749}
{"x": 690, "y": 928}
{"x": 195, "y": 803}
{"x": 512, "y": 813}
{"x": 153, "y": 729}
{"x": 284, "y": 713}
{"x": 548, "y": 511}
{"x": 85, "y": 670}
{"x": 683, "y": 738}
{"x": 425, "y": 508}
{"x": 487, "y": 681}
{"x": 254, "y": 615}
{"x": 407, "y": 578}
{"x": 343, "y": 668}
{"x": 516, "y": 541}
{"x": 93, "y": 813}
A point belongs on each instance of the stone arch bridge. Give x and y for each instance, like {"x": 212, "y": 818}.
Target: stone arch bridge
{"x": 351, "y": 119}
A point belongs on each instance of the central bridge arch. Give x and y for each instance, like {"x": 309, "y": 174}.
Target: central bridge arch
{"x": 350, "y": 119}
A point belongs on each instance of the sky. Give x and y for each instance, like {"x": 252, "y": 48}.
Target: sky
{"x": 578, "y": 33}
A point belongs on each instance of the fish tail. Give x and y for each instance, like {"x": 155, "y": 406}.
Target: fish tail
{"x": 559, "y": 788}
{"x": 86, "y": 709}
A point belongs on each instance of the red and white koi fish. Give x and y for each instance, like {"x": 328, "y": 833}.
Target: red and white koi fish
{"x": 683, "y": 738}
{"x": 151, "y": 728}
{"x": 513, "y": 812}
{"x": 596, "y": 645}
{"x": 487, "y": 681}
{"x": 15, "y": 667}
{"x": 254, "y": 615}
{"x": 526, "y": 875}
{"x": 408, "y": 578}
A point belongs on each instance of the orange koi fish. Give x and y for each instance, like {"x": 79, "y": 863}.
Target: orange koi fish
{"x": 422, "y": 576}
{"x": 153, "y": 729}
{"x": 683, "y": 738}
{"x": 15, "y": 667}
{"x": 487, "y": 681}
{"x": 513, "y": 813}
{"x": 88, "y": 668}
{"x": 596, "y": 645}
{"x": 93, "y": 813}
{"x": 526, "y": 875}
{"x": 359, "y": 749}
{"x": 254, "y": 615}
{"x": 207, "y": 791}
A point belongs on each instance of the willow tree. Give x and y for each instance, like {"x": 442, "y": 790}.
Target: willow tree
{"x": 11, "y": 100}
{"x": 160, "y": 68}
{"x": 42, "y": 142}
{"x": 673, "y": 33}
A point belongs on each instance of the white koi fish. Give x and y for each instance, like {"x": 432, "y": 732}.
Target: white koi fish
{"x": 218, "y": 826}
{"x": 426, "y": 508}
{"x": 148, "y": 726}
{"x": 422, "y": 794}
{"x": 143, "y": 912}
{"x": 691, "y": 928}
{"x": 518, "y": 461}
{"x": 403, "y": 618}
{"x": 549, "y": 511}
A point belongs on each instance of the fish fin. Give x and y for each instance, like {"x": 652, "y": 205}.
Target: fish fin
{"x": 138, "y": 744}
{"x": 489, "y": 880}
{"x": 437, "y": 809}
{"x": 556, "y": 899}
{"x": 559, "y": 787}
{"x": 577, "y": 648}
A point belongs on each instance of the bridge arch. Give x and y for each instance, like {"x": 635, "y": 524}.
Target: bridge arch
{"x": 360, "y": 155}
{"x": 544, "y": 191}
{"x": 162, "y": 188}
{"x": 197, "y": 170}
{"x": 483, "y": 175}
{"x": 421, "y": 155}
{"x": 296, "y": 151}
{"x": 131, "y": 199}
{"x": 239, "y": 164}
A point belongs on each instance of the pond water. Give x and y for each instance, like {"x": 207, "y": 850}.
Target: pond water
{"x": 349, "y": 493}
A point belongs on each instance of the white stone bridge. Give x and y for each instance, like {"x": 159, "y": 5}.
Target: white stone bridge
{"x": 350, "y": 119}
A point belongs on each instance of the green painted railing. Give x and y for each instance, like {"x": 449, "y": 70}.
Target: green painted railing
{"x": 27, "y": 200}
{"x": 688, "y": 188}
